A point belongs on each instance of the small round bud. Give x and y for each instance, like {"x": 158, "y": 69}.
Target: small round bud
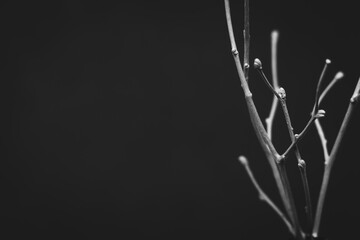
{"x": 275, "y": 34}
{"x": 246, "y": 66}
{"x": 243, "y": 160}
{"x": 320, "y": 113}
{"x": 328, "y": 61}
{"x": 257, "y": 64}
{"x": 339, "y": 75}
{"x": 282, "y": 93}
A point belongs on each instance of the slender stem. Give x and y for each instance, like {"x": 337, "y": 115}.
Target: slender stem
{"x": 328, "y": 164}
{"x": 298, "y": 137}
{"x": 316, "y": 102}
{"x": 258, "y": 67}
{"x": 320, "y": 113}
{"x": 308, "y": 205}
{"x": 263, "y": 196}
{"x": 270, "y": 120}
{"x": 338, "y": 76}
{"x": 301, "y": 162}
{"x": 293, "y": 212}
{"x": 322, "y": 139}
{"x": 246, "y": 39}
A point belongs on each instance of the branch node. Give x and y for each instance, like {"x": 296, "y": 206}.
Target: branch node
{"x": 234, "y": 52}
{"x": 282, "y": 93}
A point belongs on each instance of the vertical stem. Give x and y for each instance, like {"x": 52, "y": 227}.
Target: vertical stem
{"x": 293, "y": 212}
{"x": 246, "y": 39}
{"x": 301, "y": 164}
{"x": 270, "y": 120}
{"x": 308, "y": 205}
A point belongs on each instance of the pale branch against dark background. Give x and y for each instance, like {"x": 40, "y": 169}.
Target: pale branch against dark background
{"x": 125, "y": 119}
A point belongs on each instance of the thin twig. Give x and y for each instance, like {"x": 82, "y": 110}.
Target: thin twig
{"x": 317, "y": 94}
{"x": 322, "y": 139}
{"x": 246, "y": 39}
{"x": 319, "y": 128}
{"x": 270, "y": 120}
{"x": 338, "y": 76}
{"x": 301, "y": 162}
{"x": 320, "y": 113}
{"x": 262, "y": 196}
{"x": 316, "y": 112}
{"x": 328, "y": 164}
{"x": 258, "y": 67}
{"x": 308, "y": 205}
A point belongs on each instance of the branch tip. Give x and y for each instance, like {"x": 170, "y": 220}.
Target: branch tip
{"x": 275, "y": 34}
{"x": 356, "y": 94}
{"x": 339, "y": 75}
{"x": 243, "y": 160}
{"x": 257, "y": 64}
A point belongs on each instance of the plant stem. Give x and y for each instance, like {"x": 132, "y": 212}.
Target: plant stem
{"x": 322, "y": 139}
{"x": 328, "y": 164}
{"x": 316, "y": 102}
{"x": 301, "y": 164}
{"x": 270, "y": 120}
{"x": 263, "y": 196}
{"x": 337, "y": 77}
{"x": 246, "y": 39}
{"x": 302, "y": 134}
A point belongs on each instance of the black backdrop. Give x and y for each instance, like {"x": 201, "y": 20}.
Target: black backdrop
{"x": 125, "y": 120}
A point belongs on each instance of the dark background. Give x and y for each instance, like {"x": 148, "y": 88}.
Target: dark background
{"x": 125, "y": 119}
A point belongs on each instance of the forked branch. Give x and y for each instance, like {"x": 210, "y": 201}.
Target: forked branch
{"x": 329, "y": 163}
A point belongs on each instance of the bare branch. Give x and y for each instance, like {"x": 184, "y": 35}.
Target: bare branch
{"x": 317, "y": 94}
{"x": 322, "y": 139}
{"x": 338, "y": 76}
{"x": 262, "y": 196}
{"x": 270, "y": 120}
{"x": 328, "y": 164}
{"x": 246, "y": 39}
